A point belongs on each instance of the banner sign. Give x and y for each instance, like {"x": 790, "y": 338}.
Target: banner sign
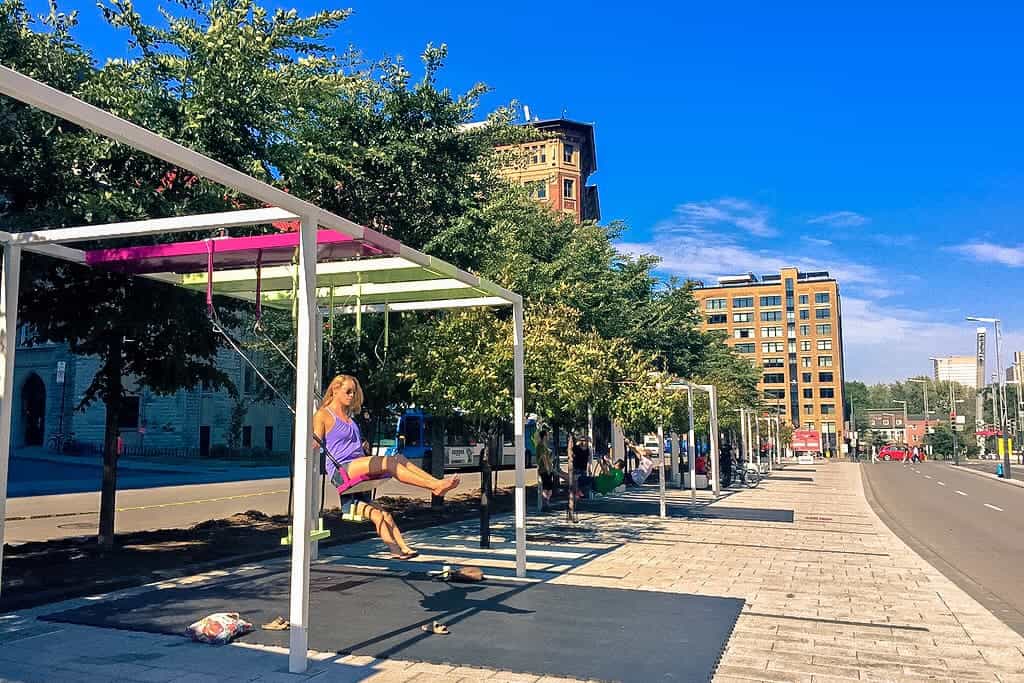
{"x": 806, "y": 440}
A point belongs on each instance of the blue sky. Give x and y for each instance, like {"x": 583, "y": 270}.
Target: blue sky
{"x": 880, "y": 142}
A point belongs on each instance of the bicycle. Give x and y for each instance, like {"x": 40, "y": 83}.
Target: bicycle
{"x": 747, "y": 474}
{"x": 61, "y": 443}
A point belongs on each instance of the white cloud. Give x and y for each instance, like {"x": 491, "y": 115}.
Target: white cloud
{"x": 841, "y": 219}
{"x": 816, "y": 242}
{"x": 992, "y": 253}
{"x": 730, "y": 211}
{"x": 885, "y": 343}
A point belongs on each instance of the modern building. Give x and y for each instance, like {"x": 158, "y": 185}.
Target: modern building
{"x": 888, "y": 422}
{"x": 917, "y": 428}
{"x": 49, "y": 383}
{"x": 962, "y": 369}
{"x": 556, "y": 165}
{"x": 789, "y": 324}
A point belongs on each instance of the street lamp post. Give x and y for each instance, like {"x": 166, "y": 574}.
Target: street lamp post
{"x": 1000, "y": 415}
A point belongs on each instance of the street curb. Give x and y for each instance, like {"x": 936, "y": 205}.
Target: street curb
{"x": 989, "y": 475}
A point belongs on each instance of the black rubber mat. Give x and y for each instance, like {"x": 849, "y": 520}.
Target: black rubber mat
{"x": 538, "y": 628}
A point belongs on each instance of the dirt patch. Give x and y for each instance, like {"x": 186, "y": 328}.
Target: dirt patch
{"x": 41, "y": 572}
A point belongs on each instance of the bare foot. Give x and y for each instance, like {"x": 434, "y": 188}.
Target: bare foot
{"x": 447, "y": 485}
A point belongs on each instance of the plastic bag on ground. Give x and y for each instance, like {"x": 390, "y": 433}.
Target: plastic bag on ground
{"x": 219, "y": 629}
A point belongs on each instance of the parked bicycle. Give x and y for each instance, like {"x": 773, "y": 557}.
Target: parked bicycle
{"x": 61, "y": 443}
{"x": 742, "y": 471}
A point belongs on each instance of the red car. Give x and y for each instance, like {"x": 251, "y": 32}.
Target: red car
{"x": 893, "y": 452}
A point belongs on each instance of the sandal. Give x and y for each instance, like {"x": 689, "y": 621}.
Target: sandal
{"x": 436, "y": 627}
{"x": 278, "y": 624}
{"x": 405, "y": 556}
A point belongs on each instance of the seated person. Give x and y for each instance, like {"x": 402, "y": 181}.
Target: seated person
{"x": 701, "y": 465}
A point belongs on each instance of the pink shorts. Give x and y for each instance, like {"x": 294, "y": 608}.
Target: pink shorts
{"x": 344, "y": 482}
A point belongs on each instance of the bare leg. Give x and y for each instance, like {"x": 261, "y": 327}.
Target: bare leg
{"x": 386, "y": 528}
{"x": 399, "y": 467}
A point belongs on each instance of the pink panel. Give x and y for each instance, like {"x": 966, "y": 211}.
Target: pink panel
{"x": 229, "y": 252}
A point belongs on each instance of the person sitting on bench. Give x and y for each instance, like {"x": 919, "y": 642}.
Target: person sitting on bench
{"x": 349, "y": 461}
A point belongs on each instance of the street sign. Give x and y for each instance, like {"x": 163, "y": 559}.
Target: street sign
{"x": 806, "y": 440}
{"x": 61, "y": 367}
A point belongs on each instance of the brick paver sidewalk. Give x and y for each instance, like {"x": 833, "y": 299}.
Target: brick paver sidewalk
{"x": 831, "y": 594}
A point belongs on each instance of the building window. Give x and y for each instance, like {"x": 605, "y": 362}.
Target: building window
{"x": 247, "y": 436}
{"x": 804, "y": 314}
{"x": 715, "y": 304}
{"x": 803, "y": 299}
{"x": 808, "y": 393}
{"x": 809, "y": 425}
{"x": 542, "y": 190}
{"x": 774, "y": 363}
{"x": 775, "y": 394}
{"x": 805, "y": 330}
{"x": 824, "y": 361}
{"x": 771, "y": 316}
{"x": 823, "y": 330}
{"x": 825, "y": 377}
{"x": 821, "y": 298}
{"x": 827, "y": 392}
{"x": 567, "y": 153}
{"x": 745, "y": 348}
{"x": 805, "y": 345}
{"x": 268, "y": 438}
{"x": 824, "y": 344}
{"x": 248, "y": 380}
{"x": 775, "y": 378}
{"x": 792, "y": 347}
{"x": 822, "y": 313}
{"x": 771, "y": 347}
{"x": 771, "y": 300}
{"x": 808, "y": 409}
{"x": 567, "y": 188}
{"x": 744, "y": 333}
{"x": 743, "y": 302}
{"x": 805, "y": 361}
{"x": 771, "y": 331}
{"x": 828, "y": 408}
{"x": 718, "y": 319}
{"x": 743, "y": 317}
{"x": 128, "y": 418}
{"x": 805, "y": 377}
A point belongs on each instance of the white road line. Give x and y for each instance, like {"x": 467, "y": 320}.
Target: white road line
{"x": 942, "y": 483}
{"x": 961, "y": 493}
{"x": 997, "y": 509}
{"x": 927, "y": 476}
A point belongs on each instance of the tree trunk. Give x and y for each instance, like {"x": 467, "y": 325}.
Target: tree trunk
{"x": 108, "y": 491}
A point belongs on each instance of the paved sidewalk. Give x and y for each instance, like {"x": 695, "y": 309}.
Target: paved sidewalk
{"x": 831, "y": 594}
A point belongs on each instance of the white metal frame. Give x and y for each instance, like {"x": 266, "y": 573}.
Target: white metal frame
{"x": 283, "y": 206}
{"x": 689, "y": 387}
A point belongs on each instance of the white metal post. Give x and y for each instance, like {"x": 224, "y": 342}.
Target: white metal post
{"x": 8, "y": 340}
{"x": 520, "y": 438}
{"x": 757, "y": 438}
{"x": 316, "y": 363}
{"x": 716, "y": 485}
{"x": 298, "y": 641}
{"x": 661, "y": 467}
{"x": 691, "y": 449}
{"x": 590, "y": 433}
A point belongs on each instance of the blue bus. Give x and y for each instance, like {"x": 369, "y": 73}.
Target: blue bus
{"x": 462, "y": 450}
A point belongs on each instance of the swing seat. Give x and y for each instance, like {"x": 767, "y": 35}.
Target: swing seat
{"x": 348, "y": 513}
{"x": 317, "y": 534}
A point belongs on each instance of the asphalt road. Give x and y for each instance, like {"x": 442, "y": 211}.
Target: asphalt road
{"x": 968, "y": 527}
{"x": 40, "y": 518}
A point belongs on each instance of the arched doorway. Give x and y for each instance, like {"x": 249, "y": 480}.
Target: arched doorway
{"x": 33, "y": 409}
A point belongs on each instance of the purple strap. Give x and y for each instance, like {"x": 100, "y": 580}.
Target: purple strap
{"x": 259, "y": 284}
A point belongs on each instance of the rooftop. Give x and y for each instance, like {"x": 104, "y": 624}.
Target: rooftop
{"x": 748, "y": 279}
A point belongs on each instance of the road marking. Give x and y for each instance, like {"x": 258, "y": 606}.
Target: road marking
{"x": 927, "y": 476}
{"x": 961, "y": 493}
{"x": 998, "y": 509}
{"x": 136, "y": 508}
{"x": 942, "y": 483}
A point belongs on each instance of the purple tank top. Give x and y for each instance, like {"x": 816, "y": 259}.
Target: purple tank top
{"x": 344, "y": 442}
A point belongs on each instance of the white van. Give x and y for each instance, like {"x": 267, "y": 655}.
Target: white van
{"x": 651, "y": 444}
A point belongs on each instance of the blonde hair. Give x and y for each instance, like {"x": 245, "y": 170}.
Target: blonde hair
{"x": 336, "y": 384}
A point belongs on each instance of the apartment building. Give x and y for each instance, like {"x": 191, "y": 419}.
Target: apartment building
{"x": 789, "y": 325}
{"x": 556, "y": 166}
{"x": 962, "y": 369}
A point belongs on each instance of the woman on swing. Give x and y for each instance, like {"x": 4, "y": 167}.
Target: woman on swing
{"x": 350, "y": 463}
